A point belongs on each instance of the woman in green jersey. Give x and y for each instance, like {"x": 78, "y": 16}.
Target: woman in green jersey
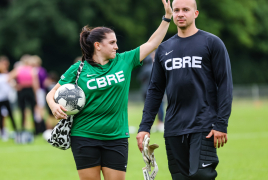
{"x": 99, "y": 133}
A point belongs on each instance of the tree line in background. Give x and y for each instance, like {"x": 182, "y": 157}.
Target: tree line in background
{"x": 51, "y": 29}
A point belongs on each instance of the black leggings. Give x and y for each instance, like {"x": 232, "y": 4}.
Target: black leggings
{"x": 7, "y": 105}
{"x": 26, "y": 96}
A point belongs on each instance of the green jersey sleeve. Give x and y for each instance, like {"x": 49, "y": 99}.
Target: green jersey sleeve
{"x": 70, "y": 75}
{"x": 132, "y": 56}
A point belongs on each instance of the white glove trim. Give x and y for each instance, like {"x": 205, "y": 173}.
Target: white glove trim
{"x": 149, "y": 159}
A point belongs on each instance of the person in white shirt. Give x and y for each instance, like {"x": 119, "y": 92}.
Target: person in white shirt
{"x": 5, "y": 89}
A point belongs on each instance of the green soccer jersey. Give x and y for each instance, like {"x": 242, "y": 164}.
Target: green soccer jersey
{"x": 105, "y": 115}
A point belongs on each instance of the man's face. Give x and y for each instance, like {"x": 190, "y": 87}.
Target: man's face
{"x": 184, "y": 13}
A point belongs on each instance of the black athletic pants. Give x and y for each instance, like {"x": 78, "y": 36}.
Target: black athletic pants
{"x": 26, "y": 96}
{"x": 7, "y": 105}
{"x": 192, "y": 157}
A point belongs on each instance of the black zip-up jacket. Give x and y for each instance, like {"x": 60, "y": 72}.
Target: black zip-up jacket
{"x": 196, "y": 74}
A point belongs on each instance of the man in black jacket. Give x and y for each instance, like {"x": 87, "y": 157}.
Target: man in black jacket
{"x": 193, "y": 67}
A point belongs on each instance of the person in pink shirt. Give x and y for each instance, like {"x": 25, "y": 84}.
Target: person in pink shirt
{"x": 27, "y": 85}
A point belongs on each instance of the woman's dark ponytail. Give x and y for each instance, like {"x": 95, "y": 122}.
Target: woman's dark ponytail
{"x": 88, "y": 37}
{"x": 85, "y": 47}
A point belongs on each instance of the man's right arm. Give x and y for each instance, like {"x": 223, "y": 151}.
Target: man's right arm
{"x": 153, "y": 99}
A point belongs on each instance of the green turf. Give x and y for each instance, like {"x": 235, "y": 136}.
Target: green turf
{"x": 243, "y": 158}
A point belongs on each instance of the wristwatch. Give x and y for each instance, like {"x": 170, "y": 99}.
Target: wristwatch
{"x": 166, "y": 19}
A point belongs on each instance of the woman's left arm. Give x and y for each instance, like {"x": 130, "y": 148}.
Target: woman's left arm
{"x": 158, "y": 35}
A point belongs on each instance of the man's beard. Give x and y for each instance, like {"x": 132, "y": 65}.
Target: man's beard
{"x": 186, "y": 26}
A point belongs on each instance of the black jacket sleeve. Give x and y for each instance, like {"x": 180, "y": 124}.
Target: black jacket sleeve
{"x": 221, "y": 67}
{"x": 154, "y": 95}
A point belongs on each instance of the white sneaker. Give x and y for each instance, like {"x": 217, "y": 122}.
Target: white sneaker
{"x": 160, "y": 127}
{"x": 4, "y": 134}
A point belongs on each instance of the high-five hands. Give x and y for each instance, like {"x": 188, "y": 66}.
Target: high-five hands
{"x": 219, "y": 137}
{"x": 168, "y": 9}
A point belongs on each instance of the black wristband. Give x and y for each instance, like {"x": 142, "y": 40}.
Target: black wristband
{"x": 166, "y": 19}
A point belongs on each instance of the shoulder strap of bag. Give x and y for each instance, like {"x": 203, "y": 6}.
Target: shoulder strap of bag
{"x": 79, "y": 70}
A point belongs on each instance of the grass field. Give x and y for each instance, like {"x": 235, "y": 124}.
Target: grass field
{"x": 244, "y": 157}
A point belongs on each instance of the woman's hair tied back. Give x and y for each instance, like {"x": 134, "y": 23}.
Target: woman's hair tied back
{"x": 88, "y": 37}
{"x": 85, "y": 31}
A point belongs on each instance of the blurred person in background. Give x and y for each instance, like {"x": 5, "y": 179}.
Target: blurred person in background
{"x": 27, "y": 86}
{"x": 194, "y": 69}
{"x": 5, "y": 89}
{"x": 99, "y": 134}
{"x": 36, "y": 62}
{"x": 51, "y": 81}
{"x": 4, "y": 132}
{"x": 144, "y": 78}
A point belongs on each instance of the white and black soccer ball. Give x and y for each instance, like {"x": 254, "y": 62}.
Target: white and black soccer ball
{"x": 71, "y": 97}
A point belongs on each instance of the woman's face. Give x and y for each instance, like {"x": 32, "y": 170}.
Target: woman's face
{"x": 108, "y": 46}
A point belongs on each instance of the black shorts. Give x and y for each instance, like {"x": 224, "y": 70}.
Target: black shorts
{"x": 192, "y": 157}
{"x": 89, "y": 153}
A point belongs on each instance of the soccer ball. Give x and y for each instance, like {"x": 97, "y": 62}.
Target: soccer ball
{"x": 71, "y": 97}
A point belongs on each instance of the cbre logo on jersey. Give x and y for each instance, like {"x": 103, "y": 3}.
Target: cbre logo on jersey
{"x": 178, "y": 63}
{"x": 107, "y": 80}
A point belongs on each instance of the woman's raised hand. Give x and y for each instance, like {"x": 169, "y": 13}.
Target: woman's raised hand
{"x": 158, "y": 36}
{"x": 168, "y": 9}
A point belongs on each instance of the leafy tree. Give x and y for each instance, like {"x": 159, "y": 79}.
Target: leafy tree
{"x": 51, "y": 29}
